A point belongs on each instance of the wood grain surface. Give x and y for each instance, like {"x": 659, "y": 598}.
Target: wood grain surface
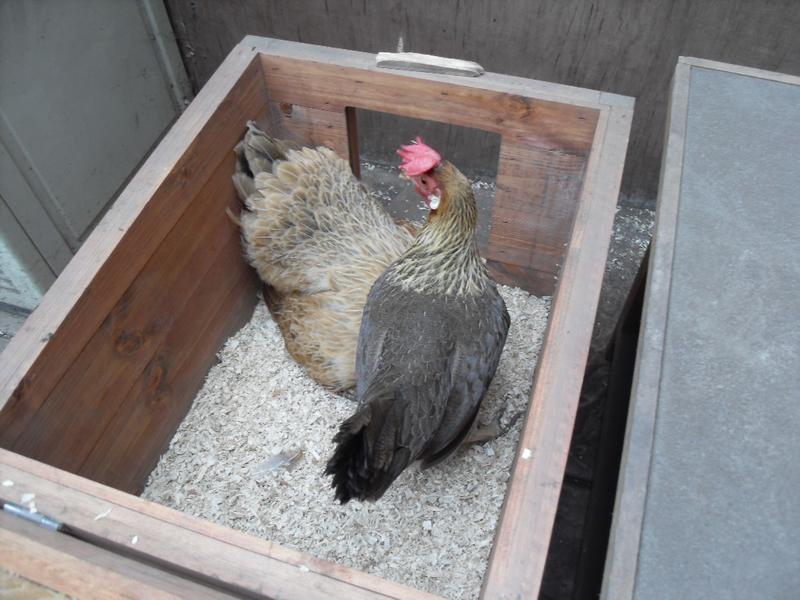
{"x": 123, "y": 242}
{"x": 200, "y": 550}
{"x": 82, "y": 570}
{"x": 89, "y": 393}
{"x": 545, "y": 143}
{"x": 523, "y": 535}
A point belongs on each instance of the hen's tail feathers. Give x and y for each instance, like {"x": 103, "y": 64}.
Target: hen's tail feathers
{"x": 367, "y": 460}
{"x": 256, "y": 154}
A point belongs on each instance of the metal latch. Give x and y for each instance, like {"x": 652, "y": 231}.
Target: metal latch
{"x": 33, "y": 516}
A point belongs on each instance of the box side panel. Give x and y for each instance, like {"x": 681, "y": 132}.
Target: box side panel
{"x": 162, "y": 383}
{"x": 523, "y": 536}
{"x": 147, "y": 321}
{"x": 82, "y": 570}
{"x": 200, "y": 551}
{"x": 90, "y": 392}
{"x": 545, "y": 146}
{"x": 123, "y": 241}
{"x": 537, "y": 196}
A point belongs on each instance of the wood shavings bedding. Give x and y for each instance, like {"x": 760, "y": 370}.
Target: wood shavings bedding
{"x": 251, "y": 452}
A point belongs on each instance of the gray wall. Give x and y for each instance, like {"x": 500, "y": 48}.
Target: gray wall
{"x": 624, "y": 46}
{"x": 86, "y": 88}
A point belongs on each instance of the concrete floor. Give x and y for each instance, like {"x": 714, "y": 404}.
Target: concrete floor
{"x": 632, "y": 228}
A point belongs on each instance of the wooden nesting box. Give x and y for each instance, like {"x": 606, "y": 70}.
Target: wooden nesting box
{"x": 96, "y": 382}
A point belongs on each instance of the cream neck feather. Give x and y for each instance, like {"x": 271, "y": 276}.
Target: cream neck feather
{"x": 444, "y": 259}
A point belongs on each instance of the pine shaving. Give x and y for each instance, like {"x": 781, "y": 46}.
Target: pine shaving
{"x": 251, "y": 452}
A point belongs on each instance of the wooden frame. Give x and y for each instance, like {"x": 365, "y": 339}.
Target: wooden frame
{"x": 102, "y": 373}
{"x": 622, "y": 557}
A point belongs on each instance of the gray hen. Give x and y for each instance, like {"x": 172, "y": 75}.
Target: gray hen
{"x": 431, "y": 336}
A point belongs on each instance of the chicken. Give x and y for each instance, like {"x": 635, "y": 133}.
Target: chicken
{"x": 319, "y": 241}
{"x": 433, "y": 329}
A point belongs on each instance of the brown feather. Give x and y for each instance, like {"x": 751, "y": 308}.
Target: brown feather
{"x": 319, "y": 240}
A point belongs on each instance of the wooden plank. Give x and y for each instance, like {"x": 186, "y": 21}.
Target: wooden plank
{"x": 20, "y": 588}
{"x": 534, "y": 208}
{"x": 542, "y": 154}
{"x": 523, "y": 536}
{"x": 514, "y": 87}
{"x": 72, "y": 420}
{"x": 194, "y": 545}
{"x": 152, "y": 410}
{"x": 528, "y": 279}
{"x": 123, "y": 242}
{"x": 555, "y": 125}
{"x": 335, "y": 53}
{"x": 626, "y": 527}
{"x": 81, "y": 570}
{"x": 309, "y": 126}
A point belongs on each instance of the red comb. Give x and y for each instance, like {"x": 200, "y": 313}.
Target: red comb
{"x": 418, "y": 158}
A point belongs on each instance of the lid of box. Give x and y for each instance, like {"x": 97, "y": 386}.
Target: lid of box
{"x": 713, "y": 444}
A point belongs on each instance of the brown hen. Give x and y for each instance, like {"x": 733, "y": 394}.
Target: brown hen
{"x": 318, "y": 241}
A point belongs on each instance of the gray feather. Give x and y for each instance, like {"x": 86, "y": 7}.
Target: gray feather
{"x": 426, "y": 360}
